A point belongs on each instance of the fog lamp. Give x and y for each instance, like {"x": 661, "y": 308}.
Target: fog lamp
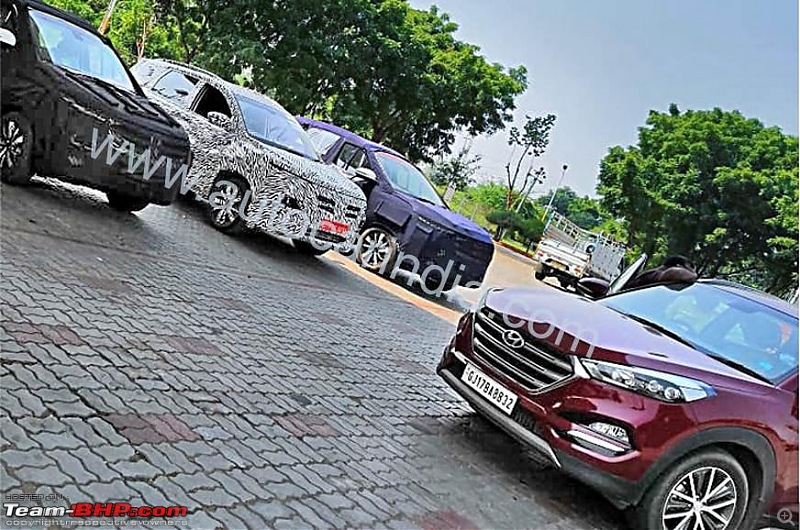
{"x": 614, "y": 432}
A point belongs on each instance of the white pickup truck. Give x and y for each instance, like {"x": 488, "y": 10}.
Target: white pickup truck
{"x": 569, "y": 253}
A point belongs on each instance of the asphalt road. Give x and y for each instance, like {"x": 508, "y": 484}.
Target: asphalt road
{"x": 149, "y": 359}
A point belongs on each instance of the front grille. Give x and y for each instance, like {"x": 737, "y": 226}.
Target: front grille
{"x": 469, "y": 249}
{"x": 530, "y": 365}
{"x": 352, "y": 212}
{"x": 523, "y": 418}
{"x": 326, "y": 204}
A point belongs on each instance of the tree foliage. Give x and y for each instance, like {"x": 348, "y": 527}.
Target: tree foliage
{"x": 379, "y": 67}
{"x": 712, "y": 185}
{"x": 457, "y": 170}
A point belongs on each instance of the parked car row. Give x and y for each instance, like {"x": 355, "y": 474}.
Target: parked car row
{"x": 677, "y": 402}
{"x": 72, "y": 110}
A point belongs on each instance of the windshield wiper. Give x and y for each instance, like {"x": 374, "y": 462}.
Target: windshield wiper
{"x": 661, "y": 329}
{"x": 285, "y": 148}
{"x": 423, "y": 199}
{"x": 739, "y": 366}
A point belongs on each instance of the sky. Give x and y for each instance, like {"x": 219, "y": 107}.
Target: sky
{"x": 601, "y": 66}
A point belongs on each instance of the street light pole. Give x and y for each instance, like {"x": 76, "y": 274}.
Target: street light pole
{"x": 555, "y": 191}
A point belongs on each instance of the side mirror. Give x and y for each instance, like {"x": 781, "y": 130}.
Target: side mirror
{"x": 366, "y": 174}
{"x": 592, "y": 287}
{"x": 220, "y": 120}
{"x": 7, "y": 38}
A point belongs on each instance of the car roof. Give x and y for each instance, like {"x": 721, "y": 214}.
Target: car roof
{"x": 69, "y": 17}
{"x": 207, "y": 76}
{"x": 351, "y": 137}
{"x": 755, "y": 295}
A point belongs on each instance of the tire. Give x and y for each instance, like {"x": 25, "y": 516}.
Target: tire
{"x": 664, "y": 496}
{"x": 377, "y": 250}
{"x": 16, "y": 146}
{"x": 224, "y": 204}
{"x": 540, "y": 275}
{"x": 126, "y": 203}
{"x": 304, "y": 247}
{"x": 433, "y": 285}
{"x": 565, "y": 284}
{"x": 189, "y": 197}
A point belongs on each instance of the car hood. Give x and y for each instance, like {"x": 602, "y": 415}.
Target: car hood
{"x": 585, "y": 328}
{"x": 451, "y": 220}
{"x": 316, "y": 173}
{"x": 134, "y": 111}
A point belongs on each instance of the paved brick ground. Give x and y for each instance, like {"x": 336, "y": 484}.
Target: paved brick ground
{"x": 149, "y": 359}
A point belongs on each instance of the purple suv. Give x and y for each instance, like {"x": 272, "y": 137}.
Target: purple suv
{"x": 408, "y": 226}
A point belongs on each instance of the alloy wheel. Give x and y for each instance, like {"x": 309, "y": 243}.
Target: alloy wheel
{"x": 375, "y": 248}
{"x": 12, "y": 141}
{"x": 703, "y": 499}
{"x": 225, "y": 203}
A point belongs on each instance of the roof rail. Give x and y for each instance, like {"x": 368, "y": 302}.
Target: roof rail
{"x": 184, "y": 65}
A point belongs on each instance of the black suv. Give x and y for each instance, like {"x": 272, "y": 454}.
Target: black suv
{"x": 72, "y": 110}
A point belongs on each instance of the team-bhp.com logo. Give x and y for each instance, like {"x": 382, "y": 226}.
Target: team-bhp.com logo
{"x": 93, "y": 509}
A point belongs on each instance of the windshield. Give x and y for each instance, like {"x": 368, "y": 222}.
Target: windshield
{"x": 719, "y": 323}
{"x": 69, "y": 46}
{"x": 274, "y": 126}
{"x": 407, "y": 178}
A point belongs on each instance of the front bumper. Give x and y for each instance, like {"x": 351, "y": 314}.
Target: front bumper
{"x": 444, "y": 254}
{"x": 541, "y": 427}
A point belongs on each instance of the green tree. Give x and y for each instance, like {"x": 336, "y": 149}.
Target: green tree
{"x": 527, "y": 144}
{"x": 137, "y": 26}
{"x": 458, "y": 170}
{"x": 386, "y": 70}
{"x": 563, "y": 198}
{"x": 713, "y": 185}
{"x": 503, "y": 220}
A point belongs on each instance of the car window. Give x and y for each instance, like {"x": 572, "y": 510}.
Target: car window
{"x": 175, "y": 86}
{"x": 719, "y": 323}
{"x": 74, "y": 48}
{"x": 407, "y": 178}
{"x": 212, "y": 100}
{"x": 351, "y": 158}
{"x": 323, "y": 140}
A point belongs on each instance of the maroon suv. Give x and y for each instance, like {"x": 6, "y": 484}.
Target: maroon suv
{"x": 676, "y": 402}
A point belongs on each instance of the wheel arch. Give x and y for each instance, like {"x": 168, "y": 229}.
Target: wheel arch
{"x": 750, "y": 448}
{"x": 231, "y": 173}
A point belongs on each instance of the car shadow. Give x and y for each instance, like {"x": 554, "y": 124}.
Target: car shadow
{"x": 41, "y": 198}
{"x": 492, "y": 450}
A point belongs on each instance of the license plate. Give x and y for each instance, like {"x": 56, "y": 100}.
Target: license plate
{"x": 557, "y": 265}
{"x": 497, "y": 394}
{"x": 333, "y": 227}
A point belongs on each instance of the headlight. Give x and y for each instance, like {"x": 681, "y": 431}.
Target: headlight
{"x": 658, "y": 385}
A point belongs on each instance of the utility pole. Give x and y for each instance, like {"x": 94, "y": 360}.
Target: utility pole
{"x": 107, "y": 17}
{"x": 555, "y": 191}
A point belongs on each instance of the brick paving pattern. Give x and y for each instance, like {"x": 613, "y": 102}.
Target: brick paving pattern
{"x": 150, "y": 359}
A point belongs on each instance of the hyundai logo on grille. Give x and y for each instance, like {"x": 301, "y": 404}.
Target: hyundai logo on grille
{"x": 513, "y": 339}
